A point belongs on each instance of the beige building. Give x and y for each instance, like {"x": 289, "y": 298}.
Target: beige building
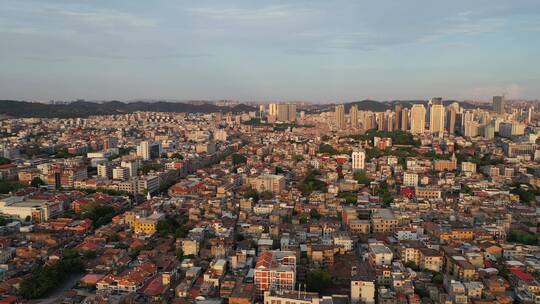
{"x": 291, "y": 297}
{"x": 339, "y": 116}
{"x": 268, "y": 182}
{"x": 428, "y": 193}
{"x": 418, "y": 119}
{"x": 190, "y": 247}
{"x": 362, "y": 284}
{"x": 383, "y": 221}
{"x": 436, "y": 118}
{"x": 37, "y": 210}
{"x": 354, "y": 116}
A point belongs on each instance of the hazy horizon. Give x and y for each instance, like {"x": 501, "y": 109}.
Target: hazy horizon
{"x": 310, "y": 51}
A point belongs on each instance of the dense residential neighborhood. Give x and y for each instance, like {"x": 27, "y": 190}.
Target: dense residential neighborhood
{"x": 429, "y": 202}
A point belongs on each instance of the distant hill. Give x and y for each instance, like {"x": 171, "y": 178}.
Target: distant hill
{"x": 15, "y": 108}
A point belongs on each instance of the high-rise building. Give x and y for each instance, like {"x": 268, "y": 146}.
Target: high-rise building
{"x": 451, "y": 121}
{"x": 498, "y": 104}
{"x": 391, "y": 121}
{"x": 488, "y": 130}
{"x": 405, "y": 119}
{"x": 143, "y": 150}
{"x": 286, "y": 112}
{"x": 467, "y": 117}
{"x": 291, "y": 112}
{"x": 354, "y": 116}
{"x": 368, "y": 121}
{"x": 272, "y": 109}
{"x": 436, "y": 119}
{"x": 471, "y": 129}
{"x": 358, "y": 160}
{"x": 148, "y": 150}
{"x": 381, "y": 121}
{"x": 418, "y": 118}
{"x": 530, "y": 111}
{"x": 397, "y": 120}
{"x": 339, "y": 115}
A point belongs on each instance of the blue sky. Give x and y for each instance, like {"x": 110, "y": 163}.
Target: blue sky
{"x": 321, "y": 51}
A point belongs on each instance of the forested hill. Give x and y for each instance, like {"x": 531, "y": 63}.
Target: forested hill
{"x": 13, "y": 108}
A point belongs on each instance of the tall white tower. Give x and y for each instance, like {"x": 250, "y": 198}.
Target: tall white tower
{"x": 358, "y": 160}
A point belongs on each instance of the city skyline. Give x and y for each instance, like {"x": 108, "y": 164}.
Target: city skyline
{"x": 316, "y": 51}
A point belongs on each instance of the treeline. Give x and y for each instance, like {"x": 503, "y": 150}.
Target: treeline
{"x": 45, "y": 279}
{"x": 522, "y": 237}
{"x": 85, "y": 109}
{"x": 398, "y": 137}
{"x": 312, "y": 183}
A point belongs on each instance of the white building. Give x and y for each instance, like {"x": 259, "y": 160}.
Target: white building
{"x": 345, "y": 242}
{"x": 410, "y": 179}
{"x": 132, "y": 166}
{"x": 380, "y": 254}
{"x": 104, "y": 170}
{"x": 358, "y": 160}
{"x": 120, "y": 173}
{"x": 148, "y": 151}
{"x": 363, "y": 284}
{"x": 468, "y": 167}
{"x": 418, "y": 119}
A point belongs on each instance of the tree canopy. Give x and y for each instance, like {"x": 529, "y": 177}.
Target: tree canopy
{"x": 318, "y": 280}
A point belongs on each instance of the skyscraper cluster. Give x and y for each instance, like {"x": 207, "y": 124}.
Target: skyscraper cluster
{"x": 433, "y": 117}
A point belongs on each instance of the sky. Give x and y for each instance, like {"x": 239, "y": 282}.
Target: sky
{"x": 319, "y": 51}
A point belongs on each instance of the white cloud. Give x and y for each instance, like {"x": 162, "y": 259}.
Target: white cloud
{"x": 109, "y": 18}
{"x": 247, "y": 14}
{"x": 511, "y": 91}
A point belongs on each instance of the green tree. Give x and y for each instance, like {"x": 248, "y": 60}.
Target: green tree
{"x": 314, "y": 214}
{"x": 318, "y": 280}
{"x": 177, "y": 155}
{"x": 180, "y": 255}
{"x": 114, "y": 237}
{"x": 8, "y": 186}
{"x": 89, "y": 254}
{"x": 522, "y": 237}
{"x": 361, "y": 177}
{"x": 351, "y": 198}
{"x": 99, "y": 214}
{"x": 37, "y": 182}
{"x": 312, "y": 183}
{"x": 438, "y": 278}
{"x": 151, "y": 167}
{"x": 266, "y": 195}
{"x": 298, "y": 157}
{"x": 412, "y": 265}
{"x": 44, "y": 279}
{"x": 303, "y": 218}
{"x": 238, "y": 159}
{"x": 253, "y": 194}
{"x": 327, "y": 149}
